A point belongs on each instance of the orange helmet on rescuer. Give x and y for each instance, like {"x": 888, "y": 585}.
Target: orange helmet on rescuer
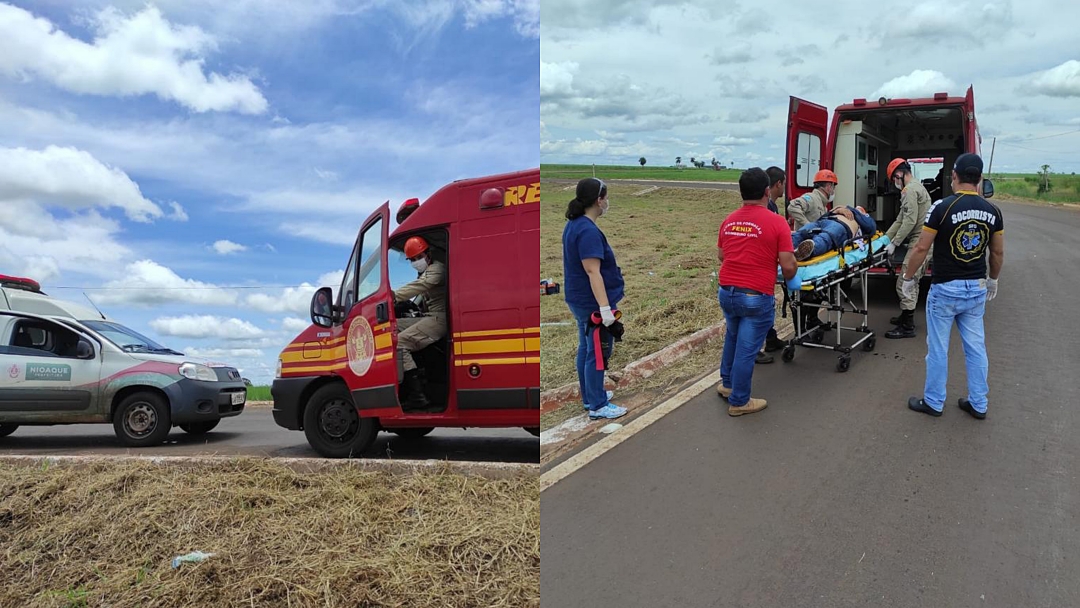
{"x": 415, "y": 246}
{"x": 825, "y": 176}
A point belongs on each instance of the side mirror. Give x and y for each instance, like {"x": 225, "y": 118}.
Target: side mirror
{"x": 322, "y": 307}
{"x": 988, "y": 188}
{"x": 84, "y": 350}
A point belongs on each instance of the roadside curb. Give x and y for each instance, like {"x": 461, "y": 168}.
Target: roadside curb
{"x": 488, "y": 470}
{"x": 642, "y": 368}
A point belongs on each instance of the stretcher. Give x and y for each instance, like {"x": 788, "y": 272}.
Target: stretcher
{"x": 823, "y": 283}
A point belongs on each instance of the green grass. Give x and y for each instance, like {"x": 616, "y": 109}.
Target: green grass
{"x": 608, "y": 172}
{"x": 1064, "y": 188}
{"x": 259, "y": 393}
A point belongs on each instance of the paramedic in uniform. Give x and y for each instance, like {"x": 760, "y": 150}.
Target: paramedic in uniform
{"x": 914, "y": 205}
{"x": 961, "y": 228}
{"x": 814, "y": 204}
{"x": 417, "y": 333}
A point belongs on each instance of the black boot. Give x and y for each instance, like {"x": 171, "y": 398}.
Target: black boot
{"x": 905, "y": 328}
{"x": 773, "y": 343}
{"x": 898, "y": 319}
{"x": 415, "y": 399}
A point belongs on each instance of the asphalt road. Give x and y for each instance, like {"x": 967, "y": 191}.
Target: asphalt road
{"x": 253, "y": 433}
{"x": 837, "y": 494}
{"x": 653, "y": 182}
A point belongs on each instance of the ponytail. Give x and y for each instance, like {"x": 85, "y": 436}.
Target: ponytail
{"x": 575, "y": 209}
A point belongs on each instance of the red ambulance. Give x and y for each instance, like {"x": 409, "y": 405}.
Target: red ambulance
{"x": 339, "y": 380}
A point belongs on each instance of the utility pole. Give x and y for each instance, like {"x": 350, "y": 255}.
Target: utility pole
{"x": 990, "y": 169}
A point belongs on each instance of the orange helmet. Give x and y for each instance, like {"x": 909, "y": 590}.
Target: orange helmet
{"x": 415, "y": 246}
{"x": 894, "y": 165}
{"x": 825, "y": 176}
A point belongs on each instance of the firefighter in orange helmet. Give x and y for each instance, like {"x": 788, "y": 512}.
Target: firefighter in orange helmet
{"x": 812, "y": 205}
{"x": 417, "y": 333}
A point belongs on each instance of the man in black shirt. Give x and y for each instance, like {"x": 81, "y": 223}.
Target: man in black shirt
{"x": 962, "y": 228}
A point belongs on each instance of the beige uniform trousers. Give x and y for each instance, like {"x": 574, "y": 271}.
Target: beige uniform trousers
{"x": 417, "y": 333}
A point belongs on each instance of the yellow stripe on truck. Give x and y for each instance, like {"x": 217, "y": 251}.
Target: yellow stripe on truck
{"x": 384, "y": 341}
{"x": 327, "y": 354}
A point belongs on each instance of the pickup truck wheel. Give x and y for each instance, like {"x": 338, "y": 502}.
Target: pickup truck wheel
{"x": 7, "y": 429}
{"x": 333, "y": 427}
{"x": 412, "y": 433}
{"x": 199, "y": 428}
{"x": 142, "y": 420}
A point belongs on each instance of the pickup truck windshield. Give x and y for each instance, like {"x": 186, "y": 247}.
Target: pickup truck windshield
{"x": 127, "y": 339}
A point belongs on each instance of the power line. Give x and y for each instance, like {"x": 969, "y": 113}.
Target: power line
{"x": 1049, "y": 136}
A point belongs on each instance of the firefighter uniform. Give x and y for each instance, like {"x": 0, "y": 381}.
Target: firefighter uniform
{"x": 808, "y": 208}
{"x": 418, "y": 333}
{"x": 914, "y": 205}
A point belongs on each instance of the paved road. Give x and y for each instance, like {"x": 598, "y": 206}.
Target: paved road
{"x": 837, "y": 495}
{"x": 253, "y": 433}
{"x": 661, "y": 183}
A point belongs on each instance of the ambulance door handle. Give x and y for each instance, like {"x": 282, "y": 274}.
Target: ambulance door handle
{"x": 382, "y": 314}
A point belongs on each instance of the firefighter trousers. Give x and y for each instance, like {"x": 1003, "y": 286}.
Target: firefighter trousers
{"x": 417, "y": 333}
{"x": 905, "y": 302}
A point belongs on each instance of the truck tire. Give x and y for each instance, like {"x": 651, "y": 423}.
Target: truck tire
{"x": 199, "y": 428}
{"x": 412, "y": 433}
{"x": 142, "y": 420}
{"x": 7, "y": 429}
{"x": 533, "y": 430}
{"x": 333, "y": 426}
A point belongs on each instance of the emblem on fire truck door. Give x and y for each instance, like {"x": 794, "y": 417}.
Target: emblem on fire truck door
{"x": 360, "y": 346}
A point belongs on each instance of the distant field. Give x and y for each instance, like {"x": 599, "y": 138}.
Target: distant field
{"x": 1063, "y": 188}
{"x": 258, "y": 393}
{"x": 691, "y": 174}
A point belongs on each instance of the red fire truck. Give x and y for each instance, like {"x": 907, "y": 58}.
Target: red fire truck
{"x": 339, "y": 380}
{"x": 865, "y": 135}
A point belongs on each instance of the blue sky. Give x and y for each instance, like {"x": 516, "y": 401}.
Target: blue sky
{"x": 200, "y": 169}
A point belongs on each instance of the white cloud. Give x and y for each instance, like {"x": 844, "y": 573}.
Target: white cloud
{"x": 525, "y": 13}
{"x": 34, "y": 243}
{"x": 70, "y": 178}
{"x": 178, "y": 214}
{"x": 295, "y": 325}
{"x": 227, "y": 247}
{"x": 223, "y": 353}
{"x": 1060, "y": 81}
{"x": 748, "y": 115}
{"x": 919, "y": 83}
{"x": 206, "y": 326}
{"x": 130, "y": 55}
{"x": 148, "y": 283}
{"x": 728, "y": 140}
{"x": 293, "y": 299}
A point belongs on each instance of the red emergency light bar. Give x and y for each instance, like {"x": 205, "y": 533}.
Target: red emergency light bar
{"x": 20, "y": 283}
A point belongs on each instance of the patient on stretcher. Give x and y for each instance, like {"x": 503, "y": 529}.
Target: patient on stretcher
{"x": 832, "y": 231}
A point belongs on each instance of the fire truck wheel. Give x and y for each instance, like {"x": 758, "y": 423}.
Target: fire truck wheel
{"x": 534, "y": 430}
{"x": 7, "y": 429}
{"x": 413, "y": 433}
{"x": 333, "y": 427}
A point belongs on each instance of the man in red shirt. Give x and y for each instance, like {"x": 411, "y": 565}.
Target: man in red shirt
{"x": 753, "y": 240}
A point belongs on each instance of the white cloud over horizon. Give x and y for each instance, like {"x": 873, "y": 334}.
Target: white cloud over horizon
{"x": 206, "y": 326}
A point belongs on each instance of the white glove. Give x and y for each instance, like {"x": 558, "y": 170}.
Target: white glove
{"x": 991, "y": 289}
{"x": 607, "y": 315}
{"x": 890, "y": 248}
{"x": 910, "y": 287}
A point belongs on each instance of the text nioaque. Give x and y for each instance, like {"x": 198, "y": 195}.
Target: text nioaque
{"x": 48, "y": 372}
{"x": 522, "y": 195}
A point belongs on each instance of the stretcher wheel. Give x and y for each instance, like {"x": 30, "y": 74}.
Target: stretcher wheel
{"x": 817, "y": 336}
{"x": 843, "y": 363}
{"x": 788, "y": 355}
{"x": 869, "y": 344}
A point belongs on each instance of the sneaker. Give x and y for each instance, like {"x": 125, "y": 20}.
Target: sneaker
{"x": 723, "y": 391}
{"x": 967, "y": 407}
{"x": 608, "y": 411}
{"x": 763, "y": 358}
{"x": 609, "y": 395}
{"x": 919, "y": 405}
{"x": 804, "y": 250}
{"x": 753, "y": 405}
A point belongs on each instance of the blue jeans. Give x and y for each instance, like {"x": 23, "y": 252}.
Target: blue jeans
{"x": 590, "y": 379}
{"x": 749, "y": 318}
{"x": 962, "y": 302}
{"x": 833, "y": 234}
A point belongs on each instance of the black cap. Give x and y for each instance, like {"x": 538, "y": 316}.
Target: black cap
{"x": 969, "y": 167}
{"x": 590, "y": 189}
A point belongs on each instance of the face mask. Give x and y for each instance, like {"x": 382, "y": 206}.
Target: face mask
{"x": 604, "y": 207}
{"x": 420, "y": 265}
{"x": 832, "y": 196}
{"x": 899, "y": 183}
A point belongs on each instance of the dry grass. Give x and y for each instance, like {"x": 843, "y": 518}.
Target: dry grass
{"x": 104, "y": 535}
{"x": 665, "y": 243}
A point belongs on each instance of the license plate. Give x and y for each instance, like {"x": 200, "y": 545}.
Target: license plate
{"x": 239, "y": 398}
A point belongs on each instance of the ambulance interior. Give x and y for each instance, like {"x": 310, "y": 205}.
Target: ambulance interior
{"x": 867, "y": 140}
{"x": 433, "y": 360}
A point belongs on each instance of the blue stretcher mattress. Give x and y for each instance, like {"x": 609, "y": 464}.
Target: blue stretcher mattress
{"x": 815, "y": 268}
